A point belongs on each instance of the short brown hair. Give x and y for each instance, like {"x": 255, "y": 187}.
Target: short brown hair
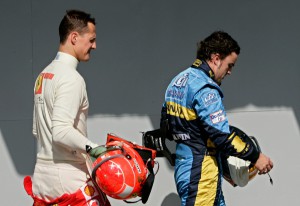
{"x": 218, "y": 42}
{"x": 74, "y": 20}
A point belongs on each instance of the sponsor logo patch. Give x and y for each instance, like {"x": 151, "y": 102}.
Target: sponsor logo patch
{"x": 181, "y": 81}
{"x": 175, "y": 94}
{"x": 217, "y": 117}
{"x": 39, "y": 82}
{"x": 178, "y": 110}
{"x": 137, "y": 166}
{"x": 181, "y": 136}
{"x": 38, "y": 85}
{"x": 210, "y": 98}
{"x": 89, "y": 190}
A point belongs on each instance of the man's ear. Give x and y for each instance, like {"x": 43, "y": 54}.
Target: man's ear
{"x": 73, "y": 37}
{"x": 215, "y": 58}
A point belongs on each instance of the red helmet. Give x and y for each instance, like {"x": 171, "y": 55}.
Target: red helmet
{"x": 121, "y": 172}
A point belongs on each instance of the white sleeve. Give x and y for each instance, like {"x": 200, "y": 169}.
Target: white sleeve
{"x": 68, "y": 101}
{"x": 34, "y": 124}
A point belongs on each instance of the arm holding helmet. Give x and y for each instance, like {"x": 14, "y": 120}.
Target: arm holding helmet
{"x": 228, "y": 139}
{"x": 263, "y": 163}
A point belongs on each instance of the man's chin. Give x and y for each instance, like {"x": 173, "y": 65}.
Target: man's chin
{"x": 86, "y": 58}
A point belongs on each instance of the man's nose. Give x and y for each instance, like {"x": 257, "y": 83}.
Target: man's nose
{"x": 94, "y": 45}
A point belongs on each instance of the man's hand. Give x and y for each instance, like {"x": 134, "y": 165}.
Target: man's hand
{"x": 264, "y": 164}
{"x": 96, "y": 151}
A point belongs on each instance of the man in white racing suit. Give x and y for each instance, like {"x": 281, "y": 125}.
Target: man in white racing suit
{"x": 59, "y": 121}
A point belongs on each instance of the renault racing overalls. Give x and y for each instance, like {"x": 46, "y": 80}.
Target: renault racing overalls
{"x": 198, "y": 123}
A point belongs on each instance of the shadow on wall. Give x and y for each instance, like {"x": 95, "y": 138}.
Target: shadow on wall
{"x": 171, "y": 199}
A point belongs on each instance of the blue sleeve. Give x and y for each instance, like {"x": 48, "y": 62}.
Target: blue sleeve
{"x": 210, "y": 110}
{"x": 208, "y": 104}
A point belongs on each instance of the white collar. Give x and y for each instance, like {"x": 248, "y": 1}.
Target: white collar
{"x": 67, "y": 58}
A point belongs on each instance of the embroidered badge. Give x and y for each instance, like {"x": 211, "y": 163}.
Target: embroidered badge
{"x": 210, "y": 98}
{"x": 217, "y": 117}
{"x": 181, "y": 81}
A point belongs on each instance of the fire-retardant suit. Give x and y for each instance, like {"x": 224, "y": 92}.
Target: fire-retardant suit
{"x": 59, "y": 124}
{"x": 198, "y": 123}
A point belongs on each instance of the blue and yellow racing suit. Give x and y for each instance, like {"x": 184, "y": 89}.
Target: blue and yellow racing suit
{"x": 198, "y": 123}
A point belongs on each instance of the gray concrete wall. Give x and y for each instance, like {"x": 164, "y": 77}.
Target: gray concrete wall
{"x": 141, "y": 45}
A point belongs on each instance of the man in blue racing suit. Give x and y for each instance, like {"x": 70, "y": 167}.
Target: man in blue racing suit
{"x": 197, "y": 122}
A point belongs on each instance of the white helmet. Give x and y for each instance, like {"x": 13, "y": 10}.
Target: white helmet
{"x": 236, "y": 171}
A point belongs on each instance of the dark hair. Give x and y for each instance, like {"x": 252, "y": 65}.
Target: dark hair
{"x": 218, "y": 42}
{"x": 74, "y": 20}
